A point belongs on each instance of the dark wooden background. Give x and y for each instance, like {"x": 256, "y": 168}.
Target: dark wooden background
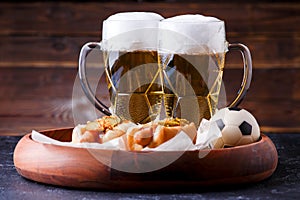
{"x": 40, "y": 44}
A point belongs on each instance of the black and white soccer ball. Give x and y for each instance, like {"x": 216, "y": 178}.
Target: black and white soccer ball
{"x": 237, "y": 126}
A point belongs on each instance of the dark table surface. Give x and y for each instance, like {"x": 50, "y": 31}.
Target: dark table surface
{"x": 283, "y": 184}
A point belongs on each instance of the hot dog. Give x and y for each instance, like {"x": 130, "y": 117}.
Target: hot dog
{"x": 138, "y": 136}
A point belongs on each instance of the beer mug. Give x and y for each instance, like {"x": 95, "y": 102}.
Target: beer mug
{"x": 191, "y": 52}
{"x": 158, "y": 68}
{"x": 129, "y": 46}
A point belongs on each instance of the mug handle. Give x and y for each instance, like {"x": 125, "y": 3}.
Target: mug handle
{"x": 85, "y": 50}
{"x": 246, "y": 55}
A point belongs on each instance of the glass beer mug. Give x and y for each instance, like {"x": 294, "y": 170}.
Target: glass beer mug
{"x": 191, "y": 52}
{"x": 129, "y": 46}
{"x": 171, "y": 68}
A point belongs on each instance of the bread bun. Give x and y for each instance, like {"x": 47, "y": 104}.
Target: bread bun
{"x": 117, "y": 131}
{"x": 95, "y": 131}
{"x": 139, "y": 137}
{"x": 81, "y": 134}
{"x": 164, "y": 134}
{"x": 144, "y": 136}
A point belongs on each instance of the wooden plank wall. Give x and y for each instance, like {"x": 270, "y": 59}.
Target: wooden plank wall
{"x": 40, "y": 43}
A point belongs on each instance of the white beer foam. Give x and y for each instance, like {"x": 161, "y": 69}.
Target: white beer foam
{"x": 192, "y": 34}
{"x": 131, "y": 31}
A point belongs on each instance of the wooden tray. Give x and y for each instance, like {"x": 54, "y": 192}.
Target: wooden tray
{"x": 78, "y": 168}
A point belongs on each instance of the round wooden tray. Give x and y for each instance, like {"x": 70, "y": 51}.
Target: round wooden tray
{"x": 78, "y": 167}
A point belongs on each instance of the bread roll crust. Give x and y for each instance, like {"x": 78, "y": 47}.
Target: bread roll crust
{"x": 164, "y": 134}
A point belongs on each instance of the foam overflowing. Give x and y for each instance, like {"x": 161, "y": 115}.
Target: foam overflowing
{"x": 192, "y": 34}
{"x": 131, "y": 31}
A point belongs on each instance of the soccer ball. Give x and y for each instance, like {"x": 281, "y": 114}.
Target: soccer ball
{"x": 237, "y": 126}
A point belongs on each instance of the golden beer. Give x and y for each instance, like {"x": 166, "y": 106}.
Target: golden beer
{"x": 191, "y": 84}
{"x": 144, "y": 85}
{"x": 134, "y": 84}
